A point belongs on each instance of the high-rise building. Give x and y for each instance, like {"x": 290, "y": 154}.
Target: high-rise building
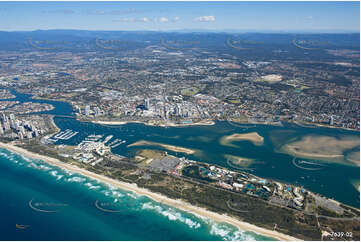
{"x": 87, "y": 110}
{"x": 97, "y": 111}
{"x": 6, "y": 126}
{"x": 147, "y": 103}
{"x": 3, "y": 117}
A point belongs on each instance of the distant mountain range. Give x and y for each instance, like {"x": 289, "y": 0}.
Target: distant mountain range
{"x": 16, "y": 40}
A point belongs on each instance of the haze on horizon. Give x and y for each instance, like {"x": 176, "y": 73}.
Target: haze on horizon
{"x": 170, "y": 16}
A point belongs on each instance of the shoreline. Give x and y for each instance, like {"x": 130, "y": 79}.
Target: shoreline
{"x": 212, "y": 122}
{"x": 206, "y": 122}
{"x": 318, "y": 125}
{"x": 154, "y": 196}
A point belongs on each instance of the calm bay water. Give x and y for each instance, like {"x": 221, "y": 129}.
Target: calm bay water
{"x": 141, "y": 218}
{"x": 334, "y": 180}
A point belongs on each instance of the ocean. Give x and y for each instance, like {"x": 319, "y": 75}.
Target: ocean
{"x": 42, "y": 202}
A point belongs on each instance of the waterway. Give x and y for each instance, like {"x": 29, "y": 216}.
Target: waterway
{"x": 73, "y": 196}
{"x": 332, "y": 179}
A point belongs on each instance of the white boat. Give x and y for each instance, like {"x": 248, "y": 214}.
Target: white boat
{"x": 109, "y": 137}
{"x": 115, "y": 145}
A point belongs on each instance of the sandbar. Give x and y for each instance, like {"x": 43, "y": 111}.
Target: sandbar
{"x": 322, "y": 147}
{"x": 253, "y": 137}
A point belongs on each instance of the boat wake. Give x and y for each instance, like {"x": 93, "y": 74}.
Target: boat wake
{"x": 301, "y": 164}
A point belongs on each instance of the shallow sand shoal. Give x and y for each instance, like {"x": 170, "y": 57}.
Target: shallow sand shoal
{"x": 354, "y": 157}
{"x": 239, "y": 161}
{"x": 253, "y": 137}
{"x": 165, "y": 146}
{"x": 155, "y": 196}
{"x": 323, "y": 147}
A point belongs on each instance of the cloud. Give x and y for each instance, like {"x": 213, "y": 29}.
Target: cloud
{"x": 132, "y": 20}
{"x": 143, "y": 20}
{"x": 112, "y": 12}
{"x": 176, "y": 19}
{"x": 205, "y": 19}
{"x": 61, "y": 11}
{"x": 163, "y": 20}
{"x": 309, "y": 17}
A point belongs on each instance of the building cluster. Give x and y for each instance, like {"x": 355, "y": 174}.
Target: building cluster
{"x": 275, "y": 192}
{"x": 91, "y": 150}
{"x": 170, "y": 108}
{"x": 287, "y": 195}
{"x": 6, "y": 104}
{"x": 6, "y": 94}
{"x": 154, "y": 82}
{"x": 22, "y": 128}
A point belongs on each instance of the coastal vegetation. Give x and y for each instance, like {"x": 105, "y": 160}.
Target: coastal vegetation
{"x": 258, "y": 211}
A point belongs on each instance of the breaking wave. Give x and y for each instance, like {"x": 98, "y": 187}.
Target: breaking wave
{"x": 55, "y": 174}
{"x": 193, "y": 221}
{"x": 9, "y": 156}
{"x": 171, "y": 214}
{"x": 76, "y": 179}
{"x": 227, "y": 233}
{"x": 91, "y": 186}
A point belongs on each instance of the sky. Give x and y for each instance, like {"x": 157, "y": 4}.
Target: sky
{"x": 167, "y": 16}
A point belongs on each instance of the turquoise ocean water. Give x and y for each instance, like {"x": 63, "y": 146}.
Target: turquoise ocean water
{"x": 54, "y": 204}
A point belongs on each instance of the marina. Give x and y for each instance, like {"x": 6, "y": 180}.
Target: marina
{"x": 64, "y": 135}
{"x": 107, "y": 139}
{"x": 116, "y": 143}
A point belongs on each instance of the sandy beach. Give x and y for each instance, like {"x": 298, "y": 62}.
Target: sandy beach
{"x": 115, "y": 122}
{"x": 155, "y": 196}
{"x": 207, "y": 122}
